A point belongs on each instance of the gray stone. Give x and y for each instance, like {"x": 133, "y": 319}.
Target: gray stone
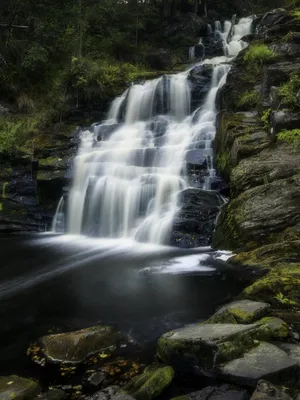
{"x": 263, "y": 362}
{"x": 241, "y": 311}
{"x": 281, "y": 120}
{"x": 111, "y": 393}
{"x": 54, "y": 394}
{"x": 267, "y": 391}
{"x": 96, "y": 379}
{"x": 224, "y": 392}
{"x": 74, "y": 347}
{"x": 14, "y": 387}
{"x": 292, "y": 350}
{"x": 203, "y": 346}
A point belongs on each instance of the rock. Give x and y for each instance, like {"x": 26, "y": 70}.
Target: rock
{"x": 272, "y": 22}
{"x": 189, "y": 23}
{"x": 54, "y": 394}
{"x": 196, "y": 159}
{"x": 292, "y": 350}
{"x": 203, "y": 346}
{"x": 281, "y": 120}
{"x": 277, "y": 162}
{"x": 267, "y": 391}
{"x": 160, "y": 59}
{"x": 75, "y": 347}
{"x": 265, "y": 361}
{"x": 279, "y": 329}
{"x": 241, "y": 311}
{"x": 194, "y": 223}
{"x": 223, "y": 392}
{"x": 111, "y": 393}
{"x": 151, "y": 383}
{"x": 95, "y": 381}
{"x": 200, "y": 78}
{"x": 104, "y": 131}
{"x": 260, "y": 215}
{"x": 14, "y": 387}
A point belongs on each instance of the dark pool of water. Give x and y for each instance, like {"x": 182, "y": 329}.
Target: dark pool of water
{"x": 50, "y": 281}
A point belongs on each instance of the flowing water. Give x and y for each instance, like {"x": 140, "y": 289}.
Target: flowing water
{"x": 130, "y": 168}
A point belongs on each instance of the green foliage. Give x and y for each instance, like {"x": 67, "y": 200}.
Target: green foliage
{"x": 296, "y": 14}
{"x": 259, "y": 54}
{"x": 290, "y": 136}
{"x": 289, "y": 91}
{"x": 248, "y": 99}
{"x": 284, "y": 300}
{"x": 265, "y": 118}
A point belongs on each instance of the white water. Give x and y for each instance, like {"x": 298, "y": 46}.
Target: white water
{"x": 126, "y": 186}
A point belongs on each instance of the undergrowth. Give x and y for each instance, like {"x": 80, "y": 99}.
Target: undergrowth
{"x": 290, "y": 136}
{"x": 259, "y": 54}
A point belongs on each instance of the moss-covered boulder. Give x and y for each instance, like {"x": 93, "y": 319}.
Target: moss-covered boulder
{"x": 279, "y": 329}
{"x": 241, "y": 311}
{"x": 266, "y": 391}
{"x": 203, "y": 346}
{"x": 280, "y": 287}
{"x": 151, "y": 383}
{"x": 14, "y": 387}
{"x": 74, "y": 347}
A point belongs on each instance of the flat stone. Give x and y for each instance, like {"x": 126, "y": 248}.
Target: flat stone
{"x": 111, "y": 393}
{"x": 267, "y": 391}
{"x": 224, "y": 392}
{"x": 292, "y": 350}
{"x": 263, "y": 362}
{"x": 14, "y": 387}
{"x": 74, "y": 347}
{"x": 203, "y": 346}
{"x": 242, "y": 311}
{"x": 279, "y": 329}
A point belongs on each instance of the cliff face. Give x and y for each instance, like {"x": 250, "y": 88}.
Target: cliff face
{"x": 258, "y": 152}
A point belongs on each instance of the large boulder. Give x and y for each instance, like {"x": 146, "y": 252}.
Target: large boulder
{"x": 200, "y": 78}
{"x": 75, "y": 347}
{"x": 14, "y": 387}
{"x": 265, "y": 361}
{"x": 266, "y": 391}
{"x": 194, "y": 223}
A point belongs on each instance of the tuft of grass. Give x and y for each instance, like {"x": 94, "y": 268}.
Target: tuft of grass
{"x": 289, "y": 91}
{"x": 248, "y": 99}
{"x": 290, "y": 136}
{"x": 259, "y": 54}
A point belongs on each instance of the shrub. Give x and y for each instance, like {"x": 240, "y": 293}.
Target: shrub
{"x": 259, "y": 54}
{"x": 289, "y": 91}
{"x": 289, "y": 136}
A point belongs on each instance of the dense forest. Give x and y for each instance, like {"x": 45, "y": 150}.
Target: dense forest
{"x": 56, "y": 56}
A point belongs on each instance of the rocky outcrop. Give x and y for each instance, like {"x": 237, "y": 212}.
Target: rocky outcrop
{"x": 14, "y": 387}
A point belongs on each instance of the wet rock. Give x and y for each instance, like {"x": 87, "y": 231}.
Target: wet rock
{"x": 54, "y": 394}
{"x": 203, "y": 346}
{"x": 200, "y": 78}
{"x": 95, "y": 381}
{"x": 273, "y": 22}
{"x": 14, "y": 387}
{"x": 265, "y": 361}
{"x": 241, "y": 311}
{"x": 278, "y": 328}
{"x": 224, "y": 392}
{"x": 281, "y": 120}
{"x": 267, "y": 391}
{"x": 104, "y": 131}
{"x": 74, "y": 347}
{"x": 194, "y": 223}
{"x": 196, "y": 159}
{"x": 151, "y": 383}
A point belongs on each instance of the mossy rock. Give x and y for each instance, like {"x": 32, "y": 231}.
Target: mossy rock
{"x": 279, "y": 329}
{"x": 14, "y": 387}
{"x": 75, "y": 347}
{"x": 280, "y": 287}
{"x": 241, "y": 311}
{"x": 151, "y": 383}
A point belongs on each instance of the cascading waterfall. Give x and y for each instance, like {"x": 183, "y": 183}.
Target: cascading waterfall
{"x": 130, "y": 168}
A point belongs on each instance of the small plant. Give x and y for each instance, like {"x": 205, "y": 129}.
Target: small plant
{"x": 289, "y": 91}
{"x": 289, "y": 136}
{"x": 284, "y": 300}
{"x": 248, "y": 99}
{"x": 265, "y": 118}
{"x": 259, "y": 54}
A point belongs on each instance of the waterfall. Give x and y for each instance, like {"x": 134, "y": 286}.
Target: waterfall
{"x": 130, "y": 168}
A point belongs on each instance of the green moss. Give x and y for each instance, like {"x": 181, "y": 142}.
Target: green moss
{"x": 278, "y": 327}
{"x": 223, "y": 161}
{"x": 265, "y": 118}
{"x": 259, "y": 54}
{"x": 289, "y": 90}
{"x": 154, "y": 385}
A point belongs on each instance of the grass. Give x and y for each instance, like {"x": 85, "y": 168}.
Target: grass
{"x": 259, "y": 54}
{"x": 265, "y": 118}
{"x": 290, "y": 136}
{"x": 248, "y": 99}
{"x": 289, "y": 91}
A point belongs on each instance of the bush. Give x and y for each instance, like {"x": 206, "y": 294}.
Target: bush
{"x": 259, "y": 54}
{"x": 289, "y": 91}
{"x": 248, "y": 99}
{"x": 289, "y": 136}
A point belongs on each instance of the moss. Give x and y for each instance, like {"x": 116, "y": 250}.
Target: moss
{"x": 278, "y": 327}
{"x": 289, "y": 136}
{"x": 265, "y": 118}
{"x": 248, "y": 100}
{"x": 288, "y": 91}
{"x": 154, "y": 385}
{"x": 17, "y": 388}
{"x": 259, "y": 54}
